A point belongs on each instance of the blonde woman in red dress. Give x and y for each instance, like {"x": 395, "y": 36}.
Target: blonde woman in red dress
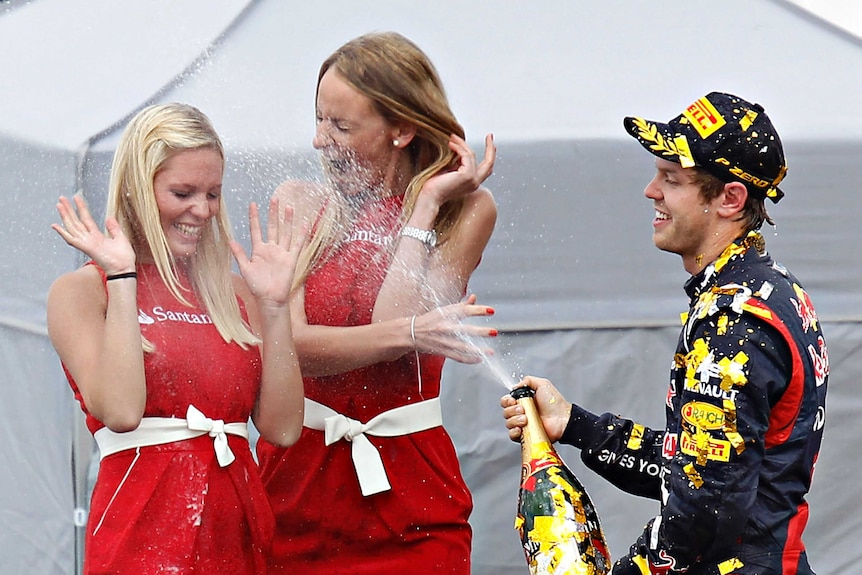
{"x": 373, "y": 486}
{"x": 169, "y": 353}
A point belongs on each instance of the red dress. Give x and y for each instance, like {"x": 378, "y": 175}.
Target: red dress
{"x": 171, "y": 508}
{"x": 323, "y": 523}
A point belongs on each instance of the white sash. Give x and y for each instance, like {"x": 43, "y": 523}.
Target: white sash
{"x": 161, "y": 430}
{"x": 402, "y": 420}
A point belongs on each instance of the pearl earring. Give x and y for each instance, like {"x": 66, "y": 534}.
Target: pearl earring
{"x": 395, "y": 143}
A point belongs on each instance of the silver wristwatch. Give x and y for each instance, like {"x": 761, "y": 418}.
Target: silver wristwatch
{"x": 427, "y": 237}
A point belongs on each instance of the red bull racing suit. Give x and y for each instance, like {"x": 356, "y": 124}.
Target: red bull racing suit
{"x": 745, "y": 414}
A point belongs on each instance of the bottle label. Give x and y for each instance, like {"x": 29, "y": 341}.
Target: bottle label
{"x": 539, "y": 460}
{"x": 558, "y": 525}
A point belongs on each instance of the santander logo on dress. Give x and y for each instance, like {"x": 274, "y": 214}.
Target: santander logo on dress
{"x": 373, "y": 235}
{"x": 158, "y": 313}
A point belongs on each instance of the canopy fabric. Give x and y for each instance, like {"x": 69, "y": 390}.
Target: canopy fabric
{"x": 581, "y": 294}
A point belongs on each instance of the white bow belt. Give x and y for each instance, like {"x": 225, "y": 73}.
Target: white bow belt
{"x": 402, "y": 420}
{"x": 161, "y": 430}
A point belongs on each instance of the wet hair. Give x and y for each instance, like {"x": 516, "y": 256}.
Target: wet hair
{"x": 404, "y": 86}
{"x": 152, "y": 137}
{"x": 754, "y": 212}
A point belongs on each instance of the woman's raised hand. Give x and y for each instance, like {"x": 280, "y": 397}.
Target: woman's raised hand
{"x": 467, "y": 177}
{"x": 112, "y": 252}
{"x": 269, "y": 271}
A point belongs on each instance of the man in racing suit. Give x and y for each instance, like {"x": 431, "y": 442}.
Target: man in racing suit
{"x": 747, "y": 396}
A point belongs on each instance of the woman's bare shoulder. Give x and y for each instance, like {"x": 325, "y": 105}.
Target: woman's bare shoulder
{"x": 82, "y": 280}
{"x": 300, "y": 191}
{"x": 305, "y": 197}
{"x": 74, "y": 296}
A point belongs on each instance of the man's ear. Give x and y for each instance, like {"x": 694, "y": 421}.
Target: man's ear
{"x": 733, "y": 199}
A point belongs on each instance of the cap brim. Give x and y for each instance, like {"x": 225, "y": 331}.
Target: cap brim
{"x": 660, "y": 140}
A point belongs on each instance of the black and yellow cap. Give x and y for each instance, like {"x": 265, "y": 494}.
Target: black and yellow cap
{"x": 725, "y": 135}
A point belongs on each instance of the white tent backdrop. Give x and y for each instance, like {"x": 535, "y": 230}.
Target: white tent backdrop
{"x": 581, "y": 294}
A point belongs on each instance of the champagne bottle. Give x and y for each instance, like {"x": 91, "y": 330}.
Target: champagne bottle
{"x": 556, "y": 519}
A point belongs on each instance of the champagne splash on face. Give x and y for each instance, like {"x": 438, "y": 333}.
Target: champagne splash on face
{"x": 349, "y": 177}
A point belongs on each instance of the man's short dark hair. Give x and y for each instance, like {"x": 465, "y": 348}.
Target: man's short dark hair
{"x": 753, "y": 213}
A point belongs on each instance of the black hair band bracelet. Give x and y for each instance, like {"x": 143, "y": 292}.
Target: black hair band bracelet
{"x": 121, "y": 276}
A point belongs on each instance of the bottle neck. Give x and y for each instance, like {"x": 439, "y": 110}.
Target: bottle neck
{"x": 534, "y": 438}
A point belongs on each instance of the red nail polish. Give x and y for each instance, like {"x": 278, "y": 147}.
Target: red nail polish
{"x": 490, "y": 311}
{"x": 493, "y": 333}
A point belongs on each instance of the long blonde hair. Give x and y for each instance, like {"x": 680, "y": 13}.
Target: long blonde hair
{"x": 153, "y": 136}
{"x": 403, "y": 86}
